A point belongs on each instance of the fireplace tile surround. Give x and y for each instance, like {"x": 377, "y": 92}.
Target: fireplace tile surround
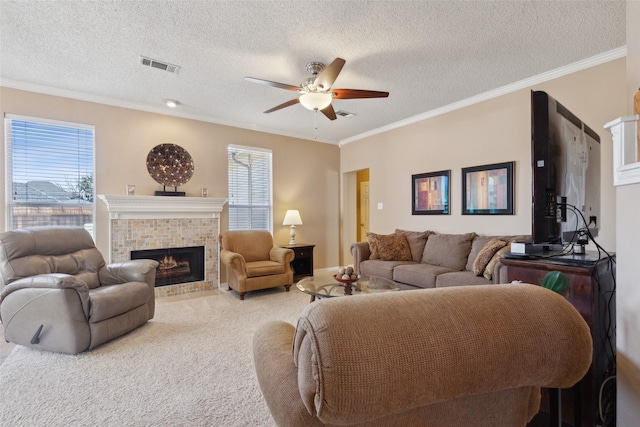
{"x": 153, "y": 222}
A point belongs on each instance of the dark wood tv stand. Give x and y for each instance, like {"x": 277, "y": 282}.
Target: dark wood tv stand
{"x": 591, "y": 290}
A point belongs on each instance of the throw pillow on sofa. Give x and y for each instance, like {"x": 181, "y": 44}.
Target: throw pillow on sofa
{"x": 480, "y": 241}
{"x": 372, "y": 238}
{"x": 488, "y": 270}
{"x": 448, "y": 250}
{"x": 416, "y": 240}
{"x": 485, "y": 255}
{"x": 389, "y": 247}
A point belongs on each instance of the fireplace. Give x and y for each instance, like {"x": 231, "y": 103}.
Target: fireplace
{"x": 176, "y": 265}
{"x": 151, "y": 222}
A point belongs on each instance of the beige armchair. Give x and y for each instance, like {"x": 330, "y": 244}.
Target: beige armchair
{"x": 57, "y": 293}
{"x": 252, "y": 261}
{"x": 451, "y": 357}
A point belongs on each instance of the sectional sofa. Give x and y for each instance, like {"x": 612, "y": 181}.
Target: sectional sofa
{"x": 459, "y": 367}
{"x": 426, "y": 259}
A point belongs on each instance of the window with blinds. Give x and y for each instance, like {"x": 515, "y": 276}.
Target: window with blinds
{"x": 49, "y": 173}
{"x": 250, "y": 193}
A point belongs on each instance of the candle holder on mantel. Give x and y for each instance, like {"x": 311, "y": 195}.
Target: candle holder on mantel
{"x": 171, "y": 166}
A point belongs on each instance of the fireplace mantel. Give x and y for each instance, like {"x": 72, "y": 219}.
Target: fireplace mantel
{"x": 626, "y": 149}
{"x": 147, "y": 207}
{"x": 152, "y": 222}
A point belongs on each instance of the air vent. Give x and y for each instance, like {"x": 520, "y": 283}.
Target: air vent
{"x": 344, "y": 113}
{"x": 154, "y": 63}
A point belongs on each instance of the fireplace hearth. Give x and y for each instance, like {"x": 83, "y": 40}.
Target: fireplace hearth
{"x": 176, "y": 265}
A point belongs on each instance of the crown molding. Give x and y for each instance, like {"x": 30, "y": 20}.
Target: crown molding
{"x": 104, "y": 100}
{"x": 593, "y": 61}
{"x": 540, "y": 78}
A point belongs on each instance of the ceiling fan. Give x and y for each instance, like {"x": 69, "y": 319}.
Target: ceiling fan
{"x": 316, "y": 92}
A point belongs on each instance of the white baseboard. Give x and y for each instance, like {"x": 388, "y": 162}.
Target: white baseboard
{"x": 326, "y": 270}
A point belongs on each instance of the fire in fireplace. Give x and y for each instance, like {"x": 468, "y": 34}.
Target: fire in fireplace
{"x": 176, "y": 265}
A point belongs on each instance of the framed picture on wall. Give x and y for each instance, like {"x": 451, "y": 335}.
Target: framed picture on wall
{"x": 430, "y": 193}
{"x": 488, "y": 189}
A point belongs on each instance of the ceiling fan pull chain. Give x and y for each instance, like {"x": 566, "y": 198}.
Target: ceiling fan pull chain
{"x": 315, "y": 125}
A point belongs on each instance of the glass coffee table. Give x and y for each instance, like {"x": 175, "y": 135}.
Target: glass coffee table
{"x": 324, "y": 286}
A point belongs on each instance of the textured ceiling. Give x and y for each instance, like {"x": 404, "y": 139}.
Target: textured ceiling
{"x": 427, "y": 54}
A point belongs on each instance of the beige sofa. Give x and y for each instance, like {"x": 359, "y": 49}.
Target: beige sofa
{"x": 427, "y": 259}
{"x": 58, "y": 294}
{"x": 407, "y": 359}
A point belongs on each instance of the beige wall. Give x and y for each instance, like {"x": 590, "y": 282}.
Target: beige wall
{"x": 305, "y": 173}
{"x": 493, "y": 131}
{"x": 628, "y": 237}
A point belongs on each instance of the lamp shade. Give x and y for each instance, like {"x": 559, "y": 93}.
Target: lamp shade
{"x": 292, "y": 217}
{"x": 315, "y": 101}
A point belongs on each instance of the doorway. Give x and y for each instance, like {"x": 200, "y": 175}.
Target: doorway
{"x": 356, "y": 196}
{"x": 362, "y": 210}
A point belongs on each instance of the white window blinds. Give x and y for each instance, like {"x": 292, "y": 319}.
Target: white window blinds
{"x": 49, "y": 173}
{"x": 250, "y": 194}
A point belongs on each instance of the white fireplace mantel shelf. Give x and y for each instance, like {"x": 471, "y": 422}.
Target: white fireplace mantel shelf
{"x": 149, "y": 207}
{"x": 626, "y": 143}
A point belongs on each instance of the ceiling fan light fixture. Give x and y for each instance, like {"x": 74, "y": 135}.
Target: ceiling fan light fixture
{"x": 316, "y": 93}
{"x": 315, "y": 100}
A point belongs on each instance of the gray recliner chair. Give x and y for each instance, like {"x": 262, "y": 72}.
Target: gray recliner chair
{"x": 58, "y": 294}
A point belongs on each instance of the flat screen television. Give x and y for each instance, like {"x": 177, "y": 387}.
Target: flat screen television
{"x": 565, "y": 156}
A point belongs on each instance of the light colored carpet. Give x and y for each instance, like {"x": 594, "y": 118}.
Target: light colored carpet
{"x": 192, "y": 365}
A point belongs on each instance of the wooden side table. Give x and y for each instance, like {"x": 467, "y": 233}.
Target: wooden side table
{"x": 591, "y": 290}
{"x": 302, "y": 263}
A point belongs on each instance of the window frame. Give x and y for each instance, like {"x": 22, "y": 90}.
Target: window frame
{"x": 9, "y": 164}
{"x": 232, "y": 205}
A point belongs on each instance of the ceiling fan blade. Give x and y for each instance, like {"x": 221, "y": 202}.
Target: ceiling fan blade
{"x": 329, "y": 112}
{"x": 329, "y": 75}
{"x": 357, "y": 93}
{"x": 294, "y": 101}
{"x": 274, "y": 84}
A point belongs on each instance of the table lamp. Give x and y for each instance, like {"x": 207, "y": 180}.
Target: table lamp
{"x": 292, "y": 218}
